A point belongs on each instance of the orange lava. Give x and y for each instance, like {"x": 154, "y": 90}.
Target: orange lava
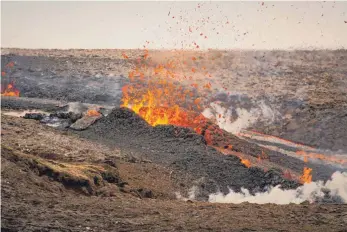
{"x": 333, "y": 159}
{"x": 92, "y": 113}
{"x": 158, "y": 99}
{"x": 157, "y": 106}
{"x": 306, "y": 155}
{"x": 228, "y": 151}
{"x": 284, "y": 141}
{"x": 11, "y": 91}
{"x": 246, "y": 162}
{"x": 160, "y": 102}
{"x": 306, "y": 175}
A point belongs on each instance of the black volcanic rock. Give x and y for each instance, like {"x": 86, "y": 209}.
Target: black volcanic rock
{"x": 34, "y": 116}
{"x": 183, "y": 151}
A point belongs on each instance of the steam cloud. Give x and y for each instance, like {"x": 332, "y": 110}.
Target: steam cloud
{"x": 336, "y": 188}
{"x": 191, "y": 194}
{"x": 77, "y": 107}
{"x": 245, "y": 117}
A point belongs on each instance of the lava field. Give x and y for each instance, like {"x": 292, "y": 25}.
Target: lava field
{"x": 71, "y": 129}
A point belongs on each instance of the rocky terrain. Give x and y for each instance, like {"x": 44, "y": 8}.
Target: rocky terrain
{"x": 55, "y": 181}
{"x": 306, "y": 90}
{"x": 80, "y": 162}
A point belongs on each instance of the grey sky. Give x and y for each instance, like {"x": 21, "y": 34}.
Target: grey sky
{"x": 274, "y": 25}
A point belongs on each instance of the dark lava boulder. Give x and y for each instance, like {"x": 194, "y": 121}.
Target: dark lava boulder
{"x": 123, "y": 119}
{"x": 34, "y": 116}
{"x": 67, "y": 115}
{"x": 84, "y": 122}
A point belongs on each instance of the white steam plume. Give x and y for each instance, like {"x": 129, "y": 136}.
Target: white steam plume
{"x": 311, "y": 192}
{"x": 245, "y": 118}
{"x": 77, "y": 107}
{"x": 191, "y": 194}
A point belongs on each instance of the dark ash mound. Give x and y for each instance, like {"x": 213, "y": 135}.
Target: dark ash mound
{"x": 184, "y": 151}
{"x": 320, "y": 171}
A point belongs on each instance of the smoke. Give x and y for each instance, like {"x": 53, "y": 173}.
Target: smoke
{"x": 334, "y": 190}
{"x": 234, "y": 119}
{"x": 77, "y": 107}
{"x": 191, "y": 194}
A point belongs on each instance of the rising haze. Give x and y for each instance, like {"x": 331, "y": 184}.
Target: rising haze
{"x": 227, "y": 25}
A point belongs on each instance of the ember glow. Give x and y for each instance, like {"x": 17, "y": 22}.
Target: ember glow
{"x": 10, "y": 91}
{"x": 153, "y": 92}
{"x": 246, "y": 162}
{"x": 228, "y": 151}
{"x": 158, "y": 105}
{"x": 306, "y": 176}
{"x": 92, "y": 113}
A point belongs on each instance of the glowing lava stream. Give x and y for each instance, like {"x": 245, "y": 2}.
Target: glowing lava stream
{"x": 303, "y": 151}
{"x": 306, "y": 176}
{"x": 226, "y": 151}
{"x": 264, "y": 137}
{"x": 160, "y": 102}
{"x": 10, "y": 91}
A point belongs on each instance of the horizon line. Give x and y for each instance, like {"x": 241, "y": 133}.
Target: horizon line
{"x": 181, "y": 49}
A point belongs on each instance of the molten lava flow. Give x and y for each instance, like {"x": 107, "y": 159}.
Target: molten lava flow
{"x": 228, "y": 151}
{"x": 153, "y": 93}
{"x": 246, "y": 162}
{"x": 265, "y": 137}
{"x": 158, "y": 106}
{"x": 332, "y": 159}
{"x": 306, "y": 176}
{"x": 304, "y": 154}
{"x": 92, "y": 113}
{"x": 159, "y": 100}
{"x": 11, "y": 91}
